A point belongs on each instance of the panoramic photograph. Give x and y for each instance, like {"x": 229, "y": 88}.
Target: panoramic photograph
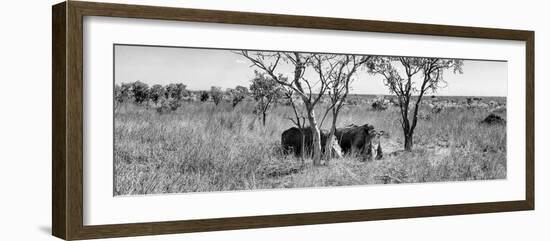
{"x": 192, "y": 120}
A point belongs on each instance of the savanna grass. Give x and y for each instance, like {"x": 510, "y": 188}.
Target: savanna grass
{"x": 202, "y": 147}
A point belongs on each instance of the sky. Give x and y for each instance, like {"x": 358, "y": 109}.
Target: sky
{"x": 200, "y": 69}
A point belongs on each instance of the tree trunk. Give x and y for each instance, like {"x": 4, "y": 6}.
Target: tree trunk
{"x": 316, "y": 134}
{"x": 408, "y": 140}
{"x": 303, "y": 151}
{"x": 405, "y": 124}
{"x": 408, "y": 129}
{"x": 263, "y": 118}
{"x": 328, "y": 144}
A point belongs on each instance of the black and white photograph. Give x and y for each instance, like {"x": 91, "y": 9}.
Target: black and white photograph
{"x": 190, "y": 119}
{"x": 271, "y": 120}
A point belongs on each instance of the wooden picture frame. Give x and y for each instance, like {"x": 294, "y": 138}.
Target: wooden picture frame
{"x": 67, "y": 122}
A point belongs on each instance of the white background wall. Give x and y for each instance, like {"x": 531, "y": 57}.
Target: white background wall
{"x": 25, "y": 120}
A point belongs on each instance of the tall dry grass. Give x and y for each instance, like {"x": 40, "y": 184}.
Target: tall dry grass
{"x": 202, "y": 147}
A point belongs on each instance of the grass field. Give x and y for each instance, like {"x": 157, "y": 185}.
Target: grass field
{"x": 202, "y": 148}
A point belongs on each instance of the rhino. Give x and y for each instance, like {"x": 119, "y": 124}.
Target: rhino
{"x": 359, "y": 140}
{"x": 350, "y": 139}
{"x": 291, "y": 140}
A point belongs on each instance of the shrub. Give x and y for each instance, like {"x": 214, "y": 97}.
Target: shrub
{"x": 217, "y": 94}
{"x": 156, "y": 93}
{"x": 140, "y": 91}
{"x": 204, "y": 96}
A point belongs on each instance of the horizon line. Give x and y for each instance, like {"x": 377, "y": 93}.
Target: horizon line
{"x": 207, "y": 90}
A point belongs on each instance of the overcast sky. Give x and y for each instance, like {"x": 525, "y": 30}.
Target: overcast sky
{"x": 200, "y": 69}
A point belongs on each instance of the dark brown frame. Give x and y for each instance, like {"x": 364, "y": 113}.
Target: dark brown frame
{"x": 67, "y": 121}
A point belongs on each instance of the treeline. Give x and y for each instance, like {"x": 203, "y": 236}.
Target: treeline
{"x": 140, "y": 92}
{"x": 169, "y": 97}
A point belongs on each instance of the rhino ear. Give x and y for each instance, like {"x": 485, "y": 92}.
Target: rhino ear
{"x": 369, "y": 128}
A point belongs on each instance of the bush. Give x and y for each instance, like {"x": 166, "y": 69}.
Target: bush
{"x": 140, "y": 91}
{"x": 168, "y": 105}
{"x": 156, "y": 93}
{"x": 176, "y": 91}
{"x": 123, "y": 92}
{"x": 217, "y": 94}
{"x": 204, "y": 96}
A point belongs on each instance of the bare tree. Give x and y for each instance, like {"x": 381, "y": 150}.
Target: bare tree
{"x": 305, "y": 88}
{"x": 337, "y": 71}
{"x": 265, "y": 91}
{"x": 400, "y": 74}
